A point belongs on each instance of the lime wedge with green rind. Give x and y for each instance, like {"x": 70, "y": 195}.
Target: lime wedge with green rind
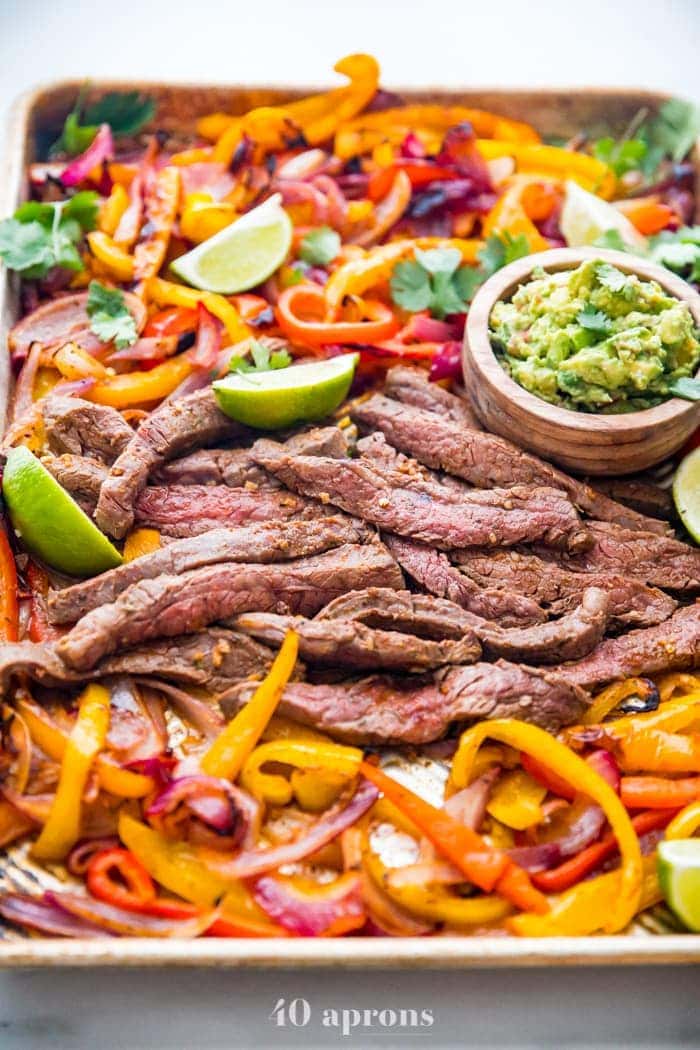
{"x": 679, "y": 878}
{"x": 49, "y": 522}
{"x": 284, "y": 396}
{"x": 585, "y": 218}
{"x": 241, "y": 255}
{"x": 686, "y": 493}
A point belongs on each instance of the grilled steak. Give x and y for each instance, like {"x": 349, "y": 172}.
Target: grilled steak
{"x": 657, "y": 560}
{"x": 348, "y": 643}
{"x": 432, "y": 570}
{"x": 638, "y": 493}
{"x": 212, "y": 466}
{"x": 412, "y": 387}
{"x": 393, "y": 710}
{"x": 258, "y": 543}
{"x": 670, "y": 646}
{"x": 83, "y": 428}
{"x": 214, "y": 659}
{"x": 173, "y": 428}
{"x": 81, "y": 476}
{"x": 630, "y": 602}
{"x": 414, "y": 506}
{"x": 483, "y": 459}
{"x": 171, "y": 604}
{"x": 567, "y": 639}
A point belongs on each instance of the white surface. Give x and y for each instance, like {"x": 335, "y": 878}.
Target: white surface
{"x": 510, "y": 42}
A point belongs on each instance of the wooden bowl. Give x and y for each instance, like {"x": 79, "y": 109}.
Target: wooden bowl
{"x": 589, "y": 443}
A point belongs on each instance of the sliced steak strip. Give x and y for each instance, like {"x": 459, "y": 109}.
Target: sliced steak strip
{"x": 670, "y": 646}
{"x": 189, "y": 510}
{"x": 84, "y": 429}
{"x": 433, "y": 570}
{"x": 482, "y": 459}
{"x": 412, "y": 506}
{"x": 212, "y": 466}
{"x": 393, "y": 710}
{"x": 169, "y": 604}
{"x": 173, "y": 428}
{"x": 569, "y": 638}
{"x": 630, "y": 602}
{"x": 639, "y": 493}
{"x": 259, "y": 543}
{"x": 81, "y": 476}
{"x": 214, "y": 659}
{"x": 347, "y": 643}
{"x": 412, "y": 387}
{"x": 657, "y": 560}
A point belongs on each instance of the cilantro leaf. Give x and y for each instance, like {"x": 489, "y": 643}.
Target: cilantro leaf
{"x": 263, "y": 359}
{"x": 611, "y": 278}
{"x": 110, "y": 317}
{"x": 501, "y": 249}
{"x": 41, "y": 236}
{"x": 439, "y": 260}
{"x": 612, "y": 239}
{"x": 25, "y": 247}
{"x": 626, "y": 155}
{"x": 675, "y": 128}
{"x": 126, "y": 112}
{"x": 685, "y": 387}
{"x": 410, "y": 286}
{"x": 594, "y": 320}
{"x": 320, "y": 247}
{"x": 466, "y": 281}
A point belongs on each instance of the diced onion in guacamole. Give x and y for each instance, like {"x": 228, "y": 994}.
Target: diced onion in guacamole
{"x": 595, "y": 339}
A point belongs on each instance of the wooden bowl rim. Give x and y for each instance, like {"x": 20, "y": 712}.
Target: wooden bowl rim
{"x": 502, "y": 285}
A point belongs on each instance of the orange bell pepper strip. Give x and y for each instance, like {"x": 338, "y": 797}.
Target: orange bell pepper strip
{"x": 388, "y": 211}
{"x": 647, "y": 214}
{"x": 539, "y": 771}
{"x": 654, "y": 751}
{"x": 576, "y": 868}
{"x": 658, "y": 792}
{"x": 87, "y": 738}
{"x": 554, "y": 162}
{"x": 686, "y": 823}
{"x": 115, "y": 259}
{"x": 140, "y": 542}
{"x": 565, "y": 763}
{"x": 137, "y": 388}
{"x": 9, "y": 605}
{"x": 52, "y": 740}
{"x": 226, "y": 755}
{"x": 489, "y": 869}
{"x": 161, "y": 210}
{"x": 509, "y": 216}
{"x": 300, "y": 312}
{"x": 167, "y": 293}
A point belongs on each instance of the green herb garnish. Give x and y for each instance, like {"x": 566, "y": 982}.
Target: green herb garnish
{"x": 594, "y": 320}
{"x": 320, "y": 247}
{"x": 263, "y": 359}
{"x": 40, "y": 236}
{"x": 110, "y": 318}
{"x": 126, "y": 112}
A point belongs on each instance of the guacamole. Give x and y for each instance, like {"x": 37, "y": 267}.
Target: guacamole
{"x": 595, "y": 339}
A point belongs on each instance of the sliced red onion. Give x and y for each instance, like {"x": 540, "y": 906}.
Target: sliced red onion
{"x": 24, "y": 387}
{"x": 207, "y": 177}
{"x": 150, "y": 348}
{"x": 412, "y": 148}
{"x": 194, "y": 381}
{"x": 447, "y": 362}
{"x": 307, "y": 916}
{"x": 337, "y": 204}
{"x": 204, "y": 717}
{"x": 158, "y": 767}
{"x": 459, "y": 148}
{"x": 256, "y": 861}
{"x": 606, "y": 766}
{"x": 537, "y": 858}
{"x": 81, "y": 855}
{"x": 468, "y": 806}
{"x": 304, "y": 165}
{"x": 294, "y": 191}
{"x": 125, "y": 923}
{"x": 586, "y": 823}
{"x": 426, "y": 329}
{"x": 217, "y": 803}
{"x": 74, "y": 387}
{"x": 205, "y": 352}
{"x": 100, "y": 149}
{"x": 46, "y": 917}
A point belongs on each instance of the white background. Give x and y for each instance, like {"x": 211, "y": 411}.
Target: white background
{"x": 492, "y": 42}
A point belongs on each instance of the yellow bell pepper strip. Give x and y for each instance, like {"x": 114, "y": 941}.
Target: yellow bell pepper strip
{"x": 161, "y": 210}
{"x": 202, "y": 217}
{"x": 280, "y": 728}
{"x": 686, "y": 823}
{"x": 75, "y": 363}
{"x": 196, "y": 155}
{"x": 585, "y": 908}
{"x": 115, "y": 259}
{"x": 315, "y": 790}
{"x": 167, "y": 293}
{"x": 435, "y": 903}
{"x": 112, "y": 210}
{"x": 303, "y": 754}
{"x": 300, "y": 315}
{"x": 140, "y": 542}
{"x": 52, "y": 740}
{"x": 552, "y": 161}
{"x": 392, "y": 125}
{"x": 357, "y": 275}
{"x": 509, "y": 216}
{"x": 658, "y": 792}
{"x": 388, "y": 211}
{"x": 668, "y": 684}
{"x": 516, "y": 800}
{"x": 486, "y": 867}
{"x": 562, "y": 761}
{"x": 226, "y": 756}
{"x": 669, "y": 717}
{"x": 138, "y": 388}
{"x": 9, "y": 605}
{"x": 613, "y": 695}
{"x": 87, "y": 738}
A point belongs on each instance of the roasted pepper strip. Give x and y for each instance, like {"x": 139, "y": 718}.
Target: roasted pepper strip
{"x": 487, "y": 868}
{"x": 303, "y": 754}
{"x": 140, "y": 542}
{"x": 9, "y": 605}
{"x": 555, "y": 162}
{"x": 138, "y": 388}
{"x": 114, "y": 258}
{"x": 112, "y": 210}
{"x": 53, "y": 740}
{"x": 87, "y": 738}
{"x": 298, "y": 302}
{"x": 509, "y": 216}
{"x": 167, "y": 293}
{"x": 225, "y": 757}
{"x": 131, "y": 890}
{"x": 40, "y": 629}
{"x": 516, "y": 800}
{"x": 607, "y": 700}
{"x": 658, "y": 793}
{"x": 161, "y": 211}
{"x": 562, "y": 761}
{"x": 686, "y": 823}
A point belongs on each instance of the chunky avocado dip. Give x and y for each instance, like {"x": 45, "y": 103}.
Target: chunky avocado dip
{"x": 596, "y": 339}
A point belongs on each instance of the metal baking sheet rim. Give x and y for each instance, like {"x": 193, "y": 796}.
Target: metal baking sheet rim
{"x": 349, "y": 952}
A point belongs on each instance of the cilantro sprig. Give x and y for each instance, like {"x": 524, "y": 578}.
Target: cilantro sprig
{"x": 646, "y": 143}
{"x": 126, "y": 112}
{"x": 594, "y": 320}
{"x": 259, "y": 358}
{"x": 110, "y": 318}
{"x": 41, "y": 236}
{"x": 320, "y": 246}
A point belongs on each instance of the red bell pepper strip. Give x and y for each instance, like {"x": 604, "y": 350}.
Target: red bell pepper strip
{"x": 174, "y": 320}
{"x": 420, "y": 173}
{"x": 576, "y": 868}
{"x": 658, "y": 792}
{"x": 301, "y": 309}
{"x": 9, "y": 605}
{"x": 40, "y": 629}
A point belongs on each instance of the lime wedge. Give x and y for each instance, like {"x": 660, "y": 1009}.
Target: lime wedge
{"x": 679, "y": 878}
{"x": 686, "y": 493}
{"x": 241, "y": 255}
{"x": 50, "y": 523}
{"x": 585, "y": 218}
{"x": 283, "y": 396}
